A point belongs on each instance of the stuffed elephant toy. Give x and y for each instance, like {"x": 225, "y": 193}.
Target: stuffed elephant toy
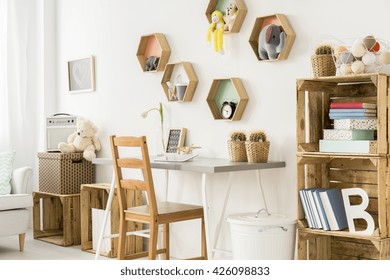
{"x": 271, "y": 42}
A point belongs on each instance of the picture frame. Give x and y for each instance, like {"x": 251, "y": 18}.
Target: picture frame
{"x": 81, "y": 74}
{"x": 176, "y": 138}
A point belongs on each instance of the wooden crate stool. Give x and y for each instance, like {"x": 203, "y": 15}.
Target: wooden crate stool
{"x": 96, "y": 196}
{"x": 60, "y": 223}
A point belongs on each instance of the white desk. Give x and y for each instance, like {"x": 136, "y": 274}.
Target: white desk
{"x": 205, "y": 166}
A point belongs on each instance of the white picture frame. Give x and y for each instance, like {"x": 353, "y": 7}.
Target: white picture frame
{"x": 176, "y": 138}
{"x": 81, "y": 74}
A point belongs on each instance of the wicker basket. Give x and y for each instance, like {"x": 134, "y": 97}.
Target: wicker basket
{"x": 257, "y": 151}
{"x": 323, "y": 65}
{"x": 237, "y": 151}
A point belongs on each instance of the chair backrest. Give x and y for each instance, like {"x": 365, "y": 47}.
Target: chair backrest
{"x": 126, "y": 159}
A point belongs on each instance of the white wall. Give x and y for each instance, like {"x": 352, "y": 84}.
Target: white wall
{"x": 110, "y": 30}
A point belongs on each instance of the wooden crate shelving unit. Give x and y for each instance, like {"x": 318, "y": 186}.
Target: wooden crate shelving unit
{"x": 341, "y": 170}
{"x": 60, "y": 220}
{"x": 96, "y": 196}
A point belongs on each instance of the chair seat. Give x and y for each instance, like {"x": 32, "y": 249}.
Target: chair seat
{"x": 172, "y": 209}
{"x": 15, "y": 201}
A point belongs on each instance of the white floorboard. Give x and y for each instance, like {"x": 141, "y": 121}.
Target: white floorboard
{"x": 40, "y": 250}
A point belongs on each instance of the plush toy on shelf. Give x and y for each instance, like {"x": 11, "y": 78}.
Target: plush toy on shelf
{"x": 217, "y": 27}
{"x": 230, "y": 16}
{"x": 272, "y": 40}
{"x": 84, "y": 139}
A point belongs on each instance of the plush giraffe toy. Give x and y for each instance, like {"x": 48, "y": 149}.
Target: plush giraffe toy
{"x": 217, "y": 27}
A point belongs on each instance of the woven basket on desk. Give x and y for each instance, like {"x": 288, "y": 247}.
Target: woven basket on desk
{"x": 323, "y": 65}
{"x": 237, "y": 151}
{"x": 257, "y": 151}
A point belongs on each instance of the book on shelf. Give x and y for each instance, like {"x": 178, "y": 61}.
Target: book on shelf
{"x": 306, "y": 210}
{"x": 315, "y": 212}
{"x": 320, "y": 208}
{"x": 348, "y": 146}
{"x": 345, "y": 111}
{"x": 348, "y": 134}
{"x": 333, "y": 205}
{"x": 351, "y": 123}
{"x": 351, "y": 105}
{"x": 351, "y": 115}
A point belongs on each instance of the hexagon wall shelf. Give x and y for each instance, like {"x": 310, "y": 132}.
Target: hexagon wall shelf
{"x": 278, "y": 19}
{"x": 190, "y": 77}
{"x": 221, "y": 5}
{"x": 230, "y": 89}
{"x": 153, "y": 45}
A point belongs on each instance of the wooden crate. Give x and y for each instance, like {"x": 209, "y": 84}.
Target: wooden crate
{"x": 95, "y": 196}
{"x": 314, "y": 97}
{"x": 343, "y": 170}
{"x": 60, "y": 220}
{"x": 313, "y": 246}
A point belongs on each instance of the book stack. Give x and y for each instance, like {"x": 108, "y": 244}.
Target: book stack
{"x": 355, "y": 124}
{"x": 324, "y": 208}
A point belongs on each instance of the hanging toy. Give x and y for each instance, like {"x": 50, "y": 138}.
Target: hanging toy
{"x": 217, "y": 27}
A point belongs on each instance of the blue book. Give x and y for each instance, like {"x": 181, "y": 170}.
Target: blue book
{"x": 306, "y": 210}
{"x": 333, "y": 204}
{"x": 321, "y": 210}
{"x": 313, "y": 207}
{"x": 352, "y": 111}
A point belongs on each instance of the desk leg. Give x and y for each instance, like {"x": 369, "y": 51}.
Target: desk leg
{"x": 218, "y": 228}
{"x": 106, "y": 213}
{"x": 206, "y": 215}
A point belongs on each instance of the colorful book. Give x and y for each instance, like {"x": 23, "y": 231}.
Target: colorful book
{"x": 348, "y": 134}
{"x": 373, "y": 111}
{"x": 351, "y": 123}
{"x": 351, "y": 105}
{"x": 352, "y": 116}
{"x": 333, "y": 204}
{"x": 347, "y": 146}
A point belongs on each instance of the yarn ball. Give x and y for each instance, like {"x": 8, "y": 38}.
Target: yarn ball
{"x": 338, "y": 50}
{"x": 384, "y": 58}
{"x": 369, "y": 42}
{"x": 369, "y": 58}
{"x": 357, "y": 67}
{"x": 376, "y": 48}
{"x": 345, "y": 69}
{"x": 346, "y": 57}
{"x": 358, "y": 49}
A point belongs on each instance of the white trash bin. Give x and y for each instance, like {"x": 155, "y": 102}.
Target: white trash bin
{"x": 262, "y": 236}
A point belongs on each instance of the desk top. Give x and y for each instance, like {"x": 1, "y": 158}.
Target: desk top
{"x": 205, "y": 165}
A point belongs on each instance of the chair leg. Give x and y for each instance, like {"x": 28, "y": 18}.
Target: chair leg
{"x": 22, "y": 237}
{"x": 153, "y": 241}
{"x": 204, "y": 245}
{"x": 166, "y": 241}
{"x": 122, "y": 239}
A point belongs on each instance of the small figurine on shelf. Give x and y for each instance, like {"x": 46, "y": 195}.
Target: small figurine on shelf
{"x": 217, "y": 27}
{"x": 230, "y": 16}
{"x": 272, "y": 40}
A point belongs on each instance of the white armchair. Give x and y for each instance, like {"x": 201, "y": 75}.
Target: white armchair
{"x": 15, "y": 207}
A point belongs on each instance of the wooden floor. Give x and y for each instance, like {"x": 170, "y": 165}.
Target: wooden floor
{"x": 39, "y": 250}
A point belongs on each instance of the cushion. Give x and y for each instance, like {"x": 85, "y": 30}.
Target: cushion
{"x": 6, "y": 166}
{"x": 15, "y": 201}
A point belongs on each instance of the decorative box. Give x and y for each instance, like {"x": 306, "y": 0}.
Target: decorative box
{"x": 348, "y": 134}
{"x": 63, "y": 173}
{"x": 356, "y": 124}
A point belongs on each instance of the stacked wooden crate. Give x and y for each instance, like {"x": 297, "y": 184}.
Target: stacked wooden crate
{"x": 368, "y": 171}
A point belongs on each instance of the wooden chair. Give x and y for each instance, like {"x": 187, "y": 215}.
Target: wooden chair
{"x": 153, "y": 214}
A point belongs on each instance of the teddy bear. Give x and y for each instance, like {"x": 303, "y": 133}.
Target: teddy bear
{"x": 230, "y": 16}
{"x": 84, "y": 139}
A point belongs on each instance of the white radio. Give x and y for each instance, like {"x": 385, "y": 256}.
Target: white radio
{"x": 58, "y": 128}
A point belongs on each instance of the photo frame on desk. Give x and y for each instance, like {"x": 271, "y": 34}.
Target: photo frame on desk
{"x": 81, "y": 74}
{"x": 176, "y": 138}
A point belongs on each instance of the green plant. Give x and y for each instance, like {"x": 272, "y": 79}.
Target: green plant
{"x": 238, "y": 136}
{"x": 323, "y": 49}
{"x": 257, "y": 136}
